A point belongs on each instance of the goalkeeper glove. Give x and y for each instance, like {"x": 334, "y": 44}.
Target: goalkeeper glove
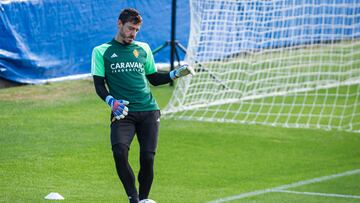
{"x": 118, "y": 107}
{"x": 181, "y": 72}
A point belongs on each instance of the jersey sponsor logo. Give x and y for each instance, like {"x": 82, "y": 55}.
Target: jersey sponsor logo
{"x": 127, "y": 67}
{"x": 136, "y": 53}
{"x": 114, "y": 55}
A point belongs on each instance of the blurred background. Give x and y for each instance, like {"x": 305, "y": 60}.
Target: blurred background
{"x": 51, "y": 40}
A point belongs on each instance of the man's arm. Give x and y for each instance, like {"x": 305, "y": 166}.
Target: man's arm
{"x": 99, "y": 83}
{"x": 159, "y": 78}
{"x": 118, "y": 107}
{"x": 163, "y": 78}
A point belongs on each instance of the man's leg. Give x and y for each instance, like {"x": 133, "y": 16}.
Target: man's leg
{"x": 146, "y": 174}
{"x": 122, "y": 134}
{"x": 124, "y": 171}
{"x": 147, "y": 133}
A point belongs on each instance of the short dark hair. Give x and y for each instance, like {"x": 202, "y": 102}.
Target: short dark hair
{"x": 130, "y": 15}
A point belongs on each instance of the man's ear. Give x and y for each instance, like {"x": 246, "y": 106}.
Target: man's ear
{"x": 119, "y": 24}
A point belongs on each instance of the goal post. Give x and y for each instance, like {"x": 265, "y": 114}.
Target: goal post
{"x": 283, "y": 63}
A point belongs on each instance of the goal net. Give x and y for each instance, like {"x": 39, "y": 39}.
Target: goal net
{"x": 290, "y": 63}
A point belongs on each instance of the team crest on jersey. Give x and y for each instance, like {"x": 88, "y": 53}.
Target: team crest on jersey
{"x": 136, "y": 53}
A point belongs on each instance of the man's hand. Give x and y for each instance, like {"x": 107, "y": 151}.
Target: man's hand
{"x": 182, "y": 71}
{"x": 118, "y": 107}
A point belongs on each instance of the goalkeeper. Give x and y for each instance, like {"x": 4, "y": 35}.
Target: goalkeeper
{"x": 126, "y": 66}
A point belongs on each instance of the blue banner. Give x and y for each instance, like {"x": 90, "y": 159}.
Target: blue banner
{"x": 45, "y": 40}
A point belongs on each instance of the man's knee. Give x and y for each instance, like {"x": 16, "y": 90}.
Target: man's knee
{"x": 147, "y": 158}
{"x": 120, "y": 151}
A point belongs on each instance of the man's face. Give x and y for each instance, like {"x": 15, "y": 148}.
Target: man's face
{"x": 128, "y": 31}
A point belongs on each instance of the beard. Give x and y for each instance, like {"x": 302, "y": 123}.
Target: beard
{"x": 126, "y": 39}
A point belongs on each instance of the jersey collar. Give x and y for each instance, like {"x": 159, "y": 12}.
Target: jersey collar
{"x": 114, "y": 41}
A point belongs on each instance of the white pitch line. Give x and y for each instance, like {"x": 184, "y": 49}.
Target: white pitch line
{"x": 319, "y": 194}
{"x": 284, "y": 187}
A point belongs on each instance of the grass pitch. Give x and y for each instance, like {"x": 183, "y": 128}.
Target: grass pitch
{"x": 55, "y": 138}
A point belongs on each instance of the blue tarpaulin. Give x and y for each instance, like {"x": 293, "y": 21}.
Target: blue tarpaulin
{"x": 41, "y": 40}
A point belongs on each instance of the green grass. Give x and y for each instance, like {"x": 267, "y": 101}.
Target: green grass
{"x": 55, "y": 138}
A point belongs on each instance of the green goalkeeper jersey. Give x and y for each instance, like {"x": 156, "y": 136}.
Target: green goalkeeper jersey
{"x": 125, "y": 68}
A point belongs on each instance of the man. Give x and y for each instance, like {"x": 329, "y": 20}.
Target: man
{"x": 126, "y": 66}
